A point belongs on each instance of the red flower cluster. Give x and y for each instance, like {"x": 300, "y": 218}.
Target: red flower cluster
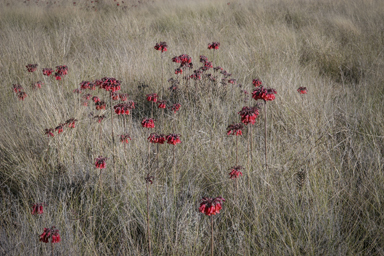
{"x": 235, "y": 129}
{"x": 17, "y": 88}
{"x": 50, "y": 233}
{"x": 124, "y": 138}
{"x": 47, "y": 71}
{"x": 175, "y": 107}
{"x": 162, "y": 46}
{"x": 149, "y": 179}
{"x": 85, "y": 85}
{"x": 162, "y": 104}
{"x": 59, "y": 128}
{"x": 148, "y": 123}
{"x": 214, "y": 45}
{"x": 31, "y": 67}
{"x": 156, "y": 138}
{"x": 178, "y": 71}
{"x": 122, "y": 109}
{"x": 49, "y": 132}
{"x": 256, "y": 82}
{"x": 109, "y": 84}
{"x": 114, "y": 96}
{"x": 61, "y": 71}
{"x": 37, "y": 208}
{"x": 183, "y": 59}
{"x": 218, "y": 68}
{"x": 302, "y": 90}
{"x": 152, "y": 97}
{"x": 173, "y": 139}
{"x": 21, "y": 95}
{"x": 249, "y": 115}
{"x": 95, "y": 99}
{"x": 100, "y": 105}
{"x": 71, "y": 122}
{"x": 232, "y": 81}
{"x": 264, "y": 94}
{"x": 37, "y": 85}
{"x": 235, "y": 172}
{"x": 99, "y": 118}
{"x": 100, "y": 162}
{"x": 210, "y": 206}
{"x": 203, "y": 58}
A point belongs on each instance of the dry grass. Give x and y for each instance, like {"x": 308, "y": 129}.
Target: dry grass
{"x": 323, "y": 193}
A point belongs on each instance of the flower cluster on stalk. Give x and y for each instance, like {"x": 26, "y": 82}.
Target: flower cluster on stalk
{"x": 47, "y": 71}
{"x": 162, "y": 46}
{"x": 37, "y": 208}
{"x": 162, "y": 104}
{"x": 100, "y": 162}
{"x": 210, "y": 206}
{"x": 31, "y": 67}
{"x": 173, "y": 138}
{"x": 122, "y": 108}
{"x": 156, "y": 138}
{"x": 125, "y": 138}
{"x": 175, "y": 107}
{"x": 148, "y": 123}
{"x": 235, "y": 129}
{"x": 152, "y": 97}
{"x": 235, "y": 172}
{"x": 61, "y": 71}
{"x": 214, "y": 46}
{"x": 302, "y": 90}
{"x": 249, "y": 114}
{"x": 261, "y": 93}
{"x": 50, "y": 233}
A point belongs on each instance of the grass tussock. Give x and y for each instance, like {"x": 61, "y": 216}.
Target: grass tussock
{"x": 322, "y": 192}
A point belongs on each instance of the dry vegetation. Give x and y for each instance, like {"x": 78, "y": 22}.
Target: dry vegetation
{"x": 323, "y": 192}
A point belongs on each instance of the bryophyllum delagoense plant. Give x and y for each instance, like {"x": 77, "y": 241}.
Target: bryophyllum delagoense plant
{"x": 210, "y": 206}
{"x": 47, "y": 71}
{"x": 31, "y": 67}
{"x": 175, "y": 107}
{"x": 50, "y": 234}
{"x": 249, "y": 114}
{"x": 125, "y": 138}
{"x": 256, "y": 82}
{"x": 71, "y": 122}
{"x": 173, "y": 138}
{"x": 61, "y": 71}
{"x": 95, "y": 99}
{"x": 37, "y": 208}
{"x": 148, "y": 123}
{"x": 214, "y": 46}
{"x": 21, "y": 95}
{"x": 235, "y": 172}
{"x": 101, "y": 162}
{"x": 37, "y": 85}
{"x": 302, "y": 90}
{"x": 17, "y": 88}
{"x": 235, "y": 129}
{"x": 99, "y": 118}
{"x": 156, "y": 138}
{"x": 100, "y": 105}
{"x": 162, "y": 104}
{"x": 49, "y": 132}
{"x": 261, "y": 93}
{"x": 162, "y": 46}
{"x": 59, "y": 128}
{"x": 122, "y": 108}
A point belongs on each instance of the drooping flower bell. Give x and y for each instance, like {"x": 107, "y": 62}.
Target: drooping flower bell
{"x": 152, "y": 97}
{"x": 37, "y": 208}
{"x": 162, "y": 104}
{"x": 71, "y": 122}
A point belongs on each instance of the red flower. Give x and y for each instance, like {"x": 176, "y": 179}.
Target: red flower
{"x": 31, "y": 67}
{"x": 52, "y": 233}
{"x": 37, "y": 85}
{"x": 21, "y": 95}
{"x": 302, "y": 90}
{"x": 175, "y": 107}
{"x": 162, "y": 46}
{"x": 37, "y": 208}
{"x": 61, "y": 71}
{"x": 59, "y": 128}
{"x": 249, "y": 115}
{"x": 17, "y": 88}
{"x": 235, "y": 172}
{"x": 156, "y": 138}
{"x": 152, "y": 97}
{"x": 100, "y": 118}
{"x": 71, "y": 122}
{"x": 232, "y": 81}
{"x": 85, "y": 85}
{"x": 256, "y": 82}
{"x": 100, "y": 105}
{"x": 122, "y": 108}
{"x": 235, "y": 129}
{"x": 214, "y": 45}
{"x": 183, "y": 59}
{"x": 211, "y": 206}
{"x": 264, "y": 94}
{"x": 49, "y": 132}
{"x": 110, "y": 84}
{"x": 178, "y": 71}
{"x": 100, "y": 162}
{"x": 162, "y": 104}
{"x": 95, "y": 99}
{"x": 173, "y": 139}
{"x": 148, "y": 123}
{"x": 47, "y": 71}
{"x": 124, "y": 138}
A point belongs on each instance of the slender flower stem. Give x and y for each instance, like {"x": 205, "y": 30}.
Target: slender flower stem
{"x": 162, "y": 75}
{"x": 148, "y": 230}
{"x": 236, "y": 150}
{"x": 265, "y": 141}
{"x": 52, "y": 249}
{"x": 211, "y": 235}
{"x": 152, "y": 110}
{"x": 113, "y": 137}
